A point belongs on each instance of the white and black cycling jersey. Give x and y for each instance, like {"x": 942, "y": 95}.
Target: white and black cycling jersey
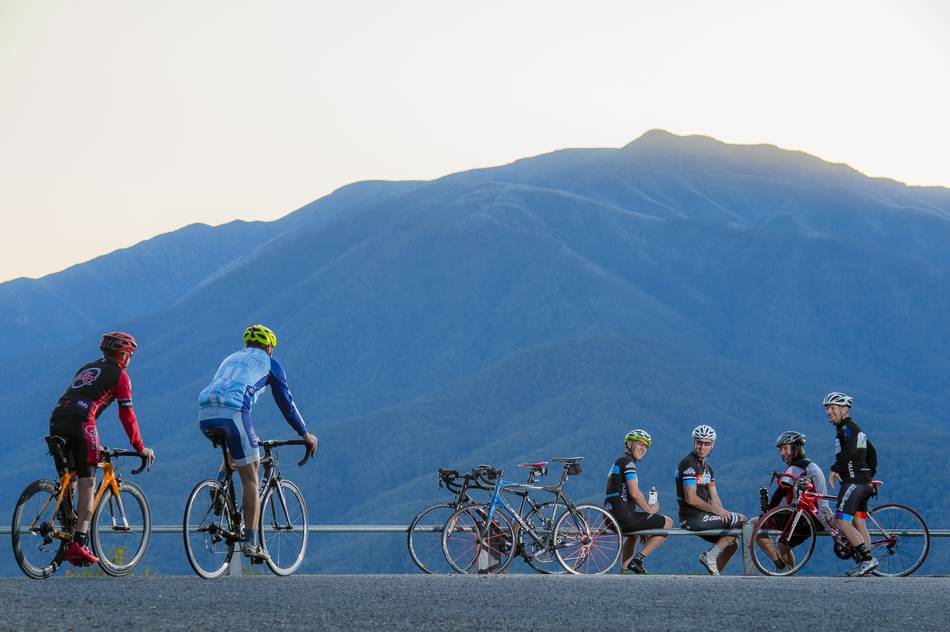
{"x": 804, "y": 466}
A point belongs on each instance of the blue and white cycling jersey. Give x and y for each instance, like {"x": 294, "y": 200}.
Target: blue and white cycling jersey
{"x": 241, "y": 379}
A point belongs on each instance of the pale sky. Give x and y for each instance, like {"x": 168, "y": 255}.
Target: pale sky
{"x": 120, "y": 120}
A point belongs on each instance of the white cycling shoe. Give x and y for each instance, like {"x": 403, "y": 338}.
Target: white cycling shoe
{"x": 709, "y": 561}
{"x": 862, "y": 569}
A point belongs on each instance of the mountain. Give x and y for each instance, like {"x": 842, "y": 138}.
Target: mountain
{"x": 530, "y": 310}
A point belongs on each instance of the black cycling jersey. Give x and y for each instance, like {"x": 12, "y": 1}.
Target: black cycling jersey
{"x": 624, "y": 469}
{"x": 851, "y": 453}
{"x": 690, "y": 472}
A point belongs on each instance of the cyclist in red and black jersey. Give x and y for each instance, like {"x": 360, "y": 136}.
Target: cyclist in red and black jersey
{"x": 94, "y": 386}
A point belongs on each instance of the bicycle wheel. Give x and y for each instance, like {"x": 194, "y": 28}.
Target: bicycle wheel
{"x": 209, "y": 536}
{"x": 38, "y": 536}
{"x": 587, "y": 540}
{"x": 471, "y": 547}
{"x": 782, "y": 528}
{"x": 542, "y": 519}
{"x": 120, "y": 529}
{"x": 425, "y": 538}
{"x": 283, "y": 527}
{"x": 900, "y": 540}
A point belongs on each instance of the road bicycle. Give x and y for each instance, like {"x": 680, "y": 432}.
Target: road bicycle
{"x": 213, "y": 522}
{"x": 425, "y": 531}
{"x": 484, "y": 538}
{"x": 900, "y": 539}
{"x": 424, "y": 538}
{"x": 45, "y": 517}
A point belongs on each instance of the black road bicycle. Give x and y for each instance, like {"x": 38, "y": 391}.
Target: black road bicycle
{"x": 213, "y": 522}
{"x": 424, "y": 538}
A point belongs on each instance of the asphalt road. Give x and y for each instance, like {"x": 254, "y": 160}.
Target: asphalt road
{"x": 389, "y": 603}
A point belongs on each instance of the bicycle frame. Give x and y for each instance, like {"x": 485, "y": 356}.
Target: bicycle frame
{"x": 808, "y": 503}
{"x": 523, "y": 489}
{"x": 109, "y": 482}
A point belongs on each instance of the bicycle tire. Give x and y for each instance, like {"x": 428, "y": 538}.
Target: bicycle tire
{"x": 114, "y": 547}
{"x": 895, "y": 517}
{"x": 587, "y": 540}
{"x": 776, "y": 525}
{"x": 286, "y": 539}
{"x": 469, "y": 552}
{"x": 542, "y": 518}
{"x": 425, "y": 545}
{"x": 208, "y": 551}
{"x": 37, "y": 557}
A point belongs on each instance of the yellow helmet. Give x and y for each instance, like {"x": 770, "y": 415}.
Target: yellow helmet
{"x": 261, "y": 335}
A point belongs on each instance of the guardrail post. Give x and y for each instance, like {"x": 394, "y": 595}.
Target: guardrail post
{"x": 234, "y": 566}
{"x": 745, "y": 539}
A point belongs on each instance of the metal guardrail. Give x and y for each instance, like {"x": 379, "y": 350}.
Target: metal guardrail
{"x": 743, "y": 534}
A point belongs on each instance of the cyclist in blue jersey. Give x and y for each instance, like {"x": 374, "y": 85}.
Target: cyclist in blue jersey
{"x": 225, "y": 407}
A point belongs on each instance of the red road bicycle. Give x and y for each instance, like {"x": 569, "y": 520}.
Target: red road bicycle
{"x": 900, "y": 539}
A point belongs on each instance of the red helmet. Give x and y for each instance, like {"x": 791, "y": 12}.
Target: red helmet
{"x": 118, "y": 341}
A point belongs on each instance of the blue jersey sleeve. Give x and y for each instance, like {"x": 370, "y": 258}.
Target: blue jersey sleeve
{"x": 277, "y": 380}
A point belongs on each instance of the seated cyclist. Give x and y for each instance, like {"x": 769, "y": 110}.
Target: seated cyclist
{"x": 699, "y": 505}
{"x": 624, "y": 497}
{"x": 791, "y": 448}
{"x": 855, "y": 462}
{"x": 94, "y": 386}
{"x": 225, "y": 407}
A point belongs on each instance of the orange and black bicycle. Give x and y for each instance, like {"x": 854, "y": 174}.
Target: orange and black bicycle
{"x": 45, "y": 517}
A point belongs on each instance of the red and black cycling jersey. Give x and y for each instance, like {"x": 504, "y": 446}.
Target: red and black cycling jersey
{"x": 852, "y": 452}
{"x": 94, "y": 386}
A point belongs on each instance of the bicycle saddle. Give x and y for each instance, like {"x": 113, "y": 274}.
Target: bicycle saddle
{"x": 568, "y": 460}
{"x": 55, "y": 443}
{"x": 877, "y": 483}
{"x": 538, "y": 464}
{"x": 216, "y": 437}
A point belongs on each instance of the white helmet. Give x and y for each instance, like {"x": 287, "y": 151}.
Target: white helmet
{"x": 639, "y": 435}
{"x": 837, "y": 398}
{"x": 704, "y": 432}
{"x": 790, "y": 437}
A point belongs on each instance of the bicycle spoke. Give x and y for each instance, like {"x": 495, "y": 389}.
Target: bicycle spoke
{"x": 900, "y": 539}
{"x": 285, "y": 537}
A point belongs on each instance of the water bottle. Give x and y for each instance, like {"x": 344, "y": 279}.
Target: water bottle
{"x": 763, "y": 499}
{"x": 651, "y": 497}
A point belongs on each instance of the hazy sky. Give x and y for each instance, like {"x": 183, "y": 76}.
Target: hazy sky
{"x": 120, "y": 120}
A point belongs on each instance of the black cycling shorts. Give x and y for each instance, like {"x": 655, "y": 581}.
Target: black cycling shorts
{"x": 82, "y": 444}
{"x": 701, "y": 520}
{"x": 631, "y": 520}
{"x": 853, "y": 500}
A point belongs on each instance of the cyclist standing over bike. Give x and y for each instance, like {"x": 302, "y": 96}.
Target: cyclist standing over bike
{"x": 855, "y": 462}
{"x": 791, "y": 447}
{"x": 94, "y": 386}
{"x": 623, "y": 496}
{"x": 225, "y": 406}
{"x": 699, "y": 504}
